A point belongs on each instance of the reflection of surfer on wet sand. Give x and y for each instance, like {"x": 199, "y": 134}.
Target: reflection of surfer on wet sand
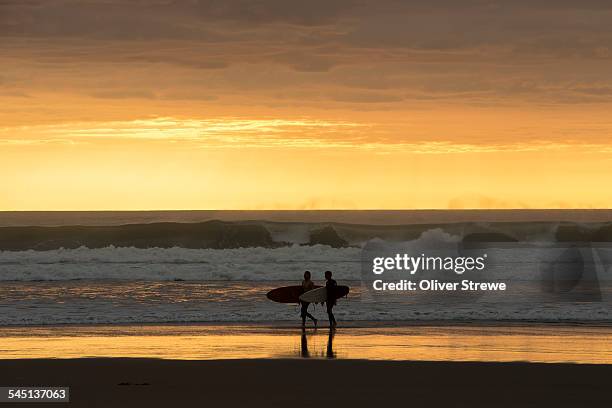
{"x": 330, "y": 344}
{"x": 305, "y": 353}
{"x": 304, "y": 343}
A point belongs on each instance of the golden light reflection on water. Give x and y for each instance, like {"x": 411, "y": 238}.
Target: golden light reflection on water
{"x": 446, "y": 343}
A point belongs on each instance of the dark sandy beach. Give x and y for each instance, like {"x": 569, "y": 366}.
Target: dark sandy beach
{"x": 296, "y": 383}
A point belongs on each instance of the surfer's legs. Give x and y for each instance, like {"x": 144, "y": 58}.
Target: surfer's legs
{"x": 311, "y": 317}
{"x": 305, "y": 314}
{"x": 330, "y": 314}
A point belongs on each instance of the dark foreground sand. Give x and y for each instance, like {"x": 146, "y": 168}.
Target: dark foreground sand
{"x": 300, "y": 383}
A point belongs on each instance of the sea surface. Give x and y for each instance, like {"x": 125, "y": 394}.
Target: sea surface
{"x": 127, "y": 278}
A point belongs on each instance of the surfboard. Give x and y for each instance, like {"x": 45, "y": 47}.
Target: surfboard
{"x": 320, "y": 295}
{"x": 287, "y": 294}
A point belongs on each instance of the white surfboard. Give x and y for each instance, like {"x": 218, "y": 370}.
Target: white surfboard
{"x": 318, "y": 295}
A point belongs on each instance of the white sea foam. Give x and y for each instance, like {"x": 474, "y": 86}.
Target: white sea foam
{"x": 244, "y": 264}
{"x": 251, "y": 264}
{"x": 178, "y": 263}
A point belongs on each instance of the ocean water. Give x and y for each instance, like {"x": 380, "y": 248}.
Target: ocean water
{"x": 145, "y": 283}
{"x": 109, "y": 302}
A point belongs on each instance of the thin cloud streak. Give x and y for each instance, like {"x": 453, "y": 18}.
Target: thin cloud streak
{"x": 240, "y": 133}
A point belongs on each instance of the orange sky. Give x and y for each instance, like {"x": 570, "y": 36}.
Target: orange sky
{"x": 338, "y": 104}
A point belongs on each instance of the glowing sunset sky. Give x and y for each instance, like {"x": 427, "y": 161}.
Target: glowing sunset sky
{"x": 261, "y": 104}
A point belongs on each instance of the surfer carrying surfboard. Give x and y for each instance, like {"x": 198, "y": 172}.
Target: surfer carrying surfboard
{"x": 307, "y": 285}
{"x": 330, "y": 286}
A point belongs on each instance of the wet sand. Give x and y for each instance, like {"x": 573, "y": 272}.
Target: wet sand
{"x": 239, "y": 365}
{"x": 300, "y": 383}
{"x": 550, "y": 343}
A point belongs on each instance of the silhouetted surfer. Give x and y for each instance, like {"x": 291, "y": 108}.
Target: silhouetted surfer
{"x": 306, "y": 286}
{"x": 330, "y": 285}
